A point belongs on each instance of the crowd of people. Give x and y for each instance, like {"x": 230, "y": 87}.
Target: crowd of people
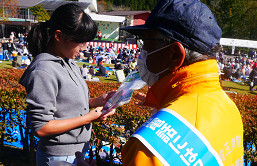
{"x": 123, "y": 59}
{"x": 235, "y": 68}
{"x": 15, "y": 49}
{"x": 238, "y": 69}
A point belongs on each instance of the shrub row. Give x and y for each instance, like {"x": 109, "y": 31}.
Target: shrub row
{"x": 116, "y": 129}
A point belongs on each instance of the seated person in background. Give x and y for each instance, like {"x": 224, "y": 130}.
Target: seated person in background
{"x": 125, "y": 58}
{"x": 119, "y": 66}
{"x": 15, "y": 63}
{"x": 253, "y": 78}
{"x": 119, "y": 55}
{"x": 19, "y": 59}
{"x": 27, "y": 61}
{"x": 227, "y": 73}
{"x": 238, "y": 75}
{"x": 108, "y": 60}
{"x": 132, "y": 65}
{"x": 91, "y": 71}
{"x": 25, "y": 50}
{"x": 84, "y": 71}
{"x": 247, "y": 70}
{"x": 90, "y": 59}
{"x": 243, "y": 70}
{"x": 81, "y": 55}
{"x": 100, "y": 61}
{"x": 101, "y": 71}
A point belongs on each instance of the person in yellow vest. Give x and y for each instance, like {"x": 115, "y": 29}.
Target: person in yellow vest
{"x": 195, "y": 123}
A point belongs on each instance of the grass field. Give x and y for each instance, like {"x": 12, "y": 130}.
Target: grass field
{"x": 5, "y": 64}
{"x": 237, "y": 87}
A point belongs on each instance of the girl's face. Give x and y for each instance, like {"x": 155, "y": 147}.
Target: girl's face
{"x": 66, "y": 48}
{"x": 71, "y": 49}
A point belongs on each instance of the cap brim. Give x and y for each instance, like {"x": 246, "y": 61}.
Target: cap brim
{"x": 136, "y": 30}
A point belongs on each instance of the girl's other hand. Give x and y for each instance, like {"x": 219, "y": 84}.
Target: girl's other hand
{"x": 98, "y": 114}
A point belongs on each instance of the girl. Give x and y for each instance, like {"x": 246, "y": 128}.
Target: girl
{"x": 57, "y": 95}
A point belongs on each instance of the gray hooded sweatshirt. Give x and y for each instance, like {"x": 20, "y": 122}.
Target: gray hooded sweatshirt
{"x": 55, "y": 91}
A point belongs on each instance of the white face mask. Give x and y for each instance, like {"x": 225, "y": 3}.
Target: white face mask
{"x": 147, "y": 76}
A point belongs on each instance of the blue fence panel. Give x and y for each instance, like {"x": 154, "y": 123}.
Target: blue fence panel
{"x": 15, "y": 132}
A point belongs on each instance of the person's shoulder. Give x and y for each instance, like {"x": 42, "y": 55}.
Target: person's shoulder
{"x": 46, "y": 62}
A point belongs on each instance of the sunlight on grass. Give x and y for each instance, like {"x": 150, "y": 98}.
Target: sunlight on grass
{"x": 238, "y": 87}
{"x": 6, "y": 64}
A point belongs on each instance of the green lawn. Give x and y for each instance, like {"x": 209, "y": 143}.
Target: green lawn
{"x": 239, "y": 87}
{"x": 89, "y": 64}
{"x": 102, "y": 79}
{"x": 5, "y": 64}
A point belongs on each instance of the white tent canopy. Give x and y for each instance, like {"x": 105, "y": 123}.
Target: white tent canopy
{"x": 99, "y": 17}
{"x": 238, "y": 43}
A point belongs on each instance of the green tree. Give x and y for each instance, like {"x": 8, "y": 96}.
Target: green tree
{"x": 101, "y": 6}
{"x": 229, "y": 15}
{"x": 8, "y": 9}
{"x": 128, "y": 3}
{"x": 40, "y": 13}
{"x": 134, "y": 4}
{"x": 249, "y": 21}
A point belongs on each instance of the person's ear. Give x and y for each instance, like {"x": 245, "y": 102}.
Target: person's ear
{"x": 58, "y": 35}
{"x": 177, "y": 56}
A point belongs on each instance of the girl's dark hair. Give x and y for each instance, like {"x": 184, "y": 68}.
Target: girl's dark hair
{"x": 70, "y": 19}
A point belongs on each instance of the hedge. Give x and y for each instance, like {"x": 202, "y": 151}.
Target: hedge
{"x": 116, "y": 129}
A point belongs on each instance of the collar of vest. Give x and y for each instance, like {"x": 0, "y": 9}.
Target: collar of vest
{"x": 198, "y": 77}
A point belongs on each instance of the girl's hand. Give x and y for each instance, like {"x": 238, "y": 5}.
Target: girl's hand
{"x": 105, "y": 97}
{"x": 102, "y": 100}
{"x": 98, "y": 114}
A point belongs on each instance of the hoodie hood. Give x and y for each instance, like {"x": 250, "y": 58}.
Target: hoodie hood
{"x": 39, "y": 58}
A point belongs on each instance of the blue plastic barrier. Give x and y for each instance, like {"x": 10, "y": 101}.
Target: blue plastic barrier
{"x": 11, "y": 58}
{"x": 15, "y": 132}
{"x": 2, "y": 57}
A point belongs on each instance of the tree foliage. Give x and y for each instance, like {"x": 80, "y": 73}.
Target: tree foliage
{"x": 130, "y": 4}
{"x": 103, "y": 6}
{"x": 40, "y": 12}
{"x": 237, "y": 18}
{"x": 8, "y": 9}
